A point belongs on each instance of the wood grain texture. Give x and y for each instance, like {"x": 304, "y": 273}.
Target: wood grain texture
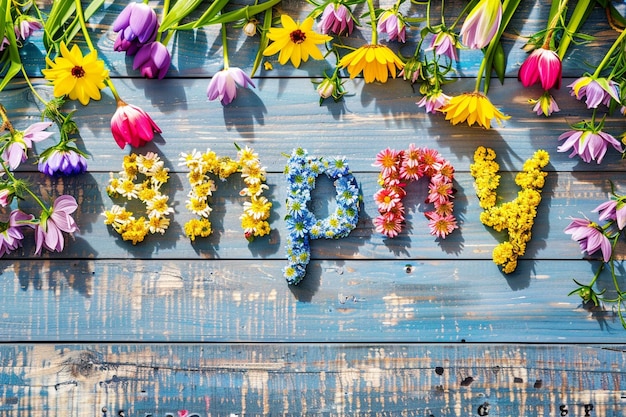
{"x": 312, "y": 379}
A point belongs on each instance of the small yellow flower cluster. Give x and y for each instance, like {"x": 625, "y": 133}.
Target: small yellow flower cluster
{"x": 517, "y": 216}
{"x": 201, "y": 165}
{"x": 147, "y": 189}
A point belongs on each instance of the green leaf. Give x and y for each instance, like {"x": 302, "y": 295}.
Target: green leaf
{"x": 181, "y": 9}
{"x": 267, "y": 23}
{"x": 55, "y": 24}
{"x": 74, "y": 27}
{"x": 216, "y": 7}
{"x": 14, "y": 56}
{"x": 3, "y": 13}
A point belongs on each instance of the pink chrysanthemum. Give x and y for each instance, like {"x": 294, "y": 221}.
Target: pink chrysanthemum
{"x": 441, "y": 225}
{"x": 389, "y": 225}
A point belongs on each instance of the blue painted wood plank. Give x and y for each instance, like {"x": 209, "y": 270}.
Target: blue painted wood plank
{"x": 439, "y": 380}
{"x": 360, "y": 301}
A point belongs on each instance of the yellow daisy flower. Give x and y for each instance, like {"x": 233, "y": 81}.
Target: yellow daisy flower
{"x": 295, "y": 41}
{"x": 472, "y": 107}
{"x": 376, "y": 62}
{"x": 80, "y": 78}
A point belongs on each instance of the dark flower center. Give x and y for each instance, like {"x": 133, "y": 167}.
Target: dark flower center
{"x": 78, "y": 72}
{"x": 297, "y": 36}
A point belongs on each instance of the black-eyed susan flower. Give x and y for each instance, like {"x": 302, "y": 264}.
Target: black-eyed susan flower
{"x": 76, "y": 76}
{"x": 473, "y": 107}
{"x": 295, "y": 41}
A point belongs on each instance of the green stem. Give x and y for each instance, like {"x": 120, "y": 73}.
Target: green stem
{"x": 35, "y": 93}
{"x": 552, "y": 24}
{"x": 575, "y": 21}
{"x": 607, "y": 57}
{"x": 14, "y": 180}
{"x": 113, "y": 89}
{"x": 469, "y": 6}
{"x": 225, "y": 46}
{"x": 83, "y": 24}
{"x": 6, "y": 123}
{"x": 370, "y": 5}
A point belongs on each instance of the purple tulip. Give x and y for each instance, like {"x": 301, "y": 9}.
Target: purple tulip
{"x": 589, "y": 144}
{"x": 65, "y": 161}
{"x": 223, "y": 85}
{"x": 444, "y": 43}
{"x": 153, "y": 59}
{"x": 337, "y": 19}
{"x": 136, "y": 21}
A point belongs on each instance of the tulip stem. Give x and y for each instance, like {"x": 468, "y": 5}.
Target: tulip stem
{"x": 552, "y": 24}
{"x": 370, "y": 5}
{"x": 113, "y": 89}
{"x": 607, "y": 57}
{"x": 6, "y": 123}
{"x": 225, "y": 46}
{"x": 83, "y": 24}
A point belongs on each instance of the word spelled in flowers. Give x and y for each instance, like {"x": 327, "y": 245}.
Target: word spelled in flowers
{"x": 517, "y": 216}
{"x": 201, "y": 166}
{"x": 302, "y": 225}
{"x": 141, "y": 179}
{"x": 54, "y": 220}
{"x": 593, "y": 237}
{"x": 400, "y": 167}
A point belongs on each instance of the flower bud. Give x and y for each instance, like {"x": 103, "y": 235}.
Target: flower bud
{"x": 326, "y": 88}
{"x": 250, "y": 27}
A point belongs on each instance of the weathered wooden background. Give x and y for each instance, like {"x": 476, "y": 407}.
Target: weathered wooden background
{"x": 106, "y": 328}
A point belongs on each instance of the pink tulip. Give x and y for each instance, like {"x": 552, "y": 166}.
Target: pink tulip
{"x": 542, "y": 65}
{"x": 131, "y": 125}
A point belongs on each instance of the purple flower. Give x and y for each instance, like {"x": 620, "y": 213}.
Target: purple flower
{"x": 432, "y": 102}
{"x": 15, "y": 151}
{"x": 392, "y": 23}
{"x": 153, "y": 59}
{"x": 612, "y": 210}
{"x": 5, "y": 42}
{"x": 590, "y": 237}
{"x": 445, "y": 43}
{"x": 224, "y": 84}
{"x": 481, "y": 24}
{"x": 590, "y": 144}
{"x": 595, "y": 91}
{"x": 48, "y": 233}
{"x": 546, "y": 105}
{"x": 136, "y": 22}
{"x": 6, "y": 196}
{"x": 336, "y": 18}
{"x": 11, "y": 237}
{"x": 25, "y": 27}
{"x": 65, "y": 161}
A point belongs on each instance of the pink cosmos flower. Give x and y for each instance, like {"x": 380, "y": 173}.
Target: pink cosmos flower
{"x": 481, "y": 24}
{"x": 48, "y": 233}
{"x": 337, "y": 19}
{"x": 612, "y": 210}
{"x": 392, "y": 23}
{"x": 11, "y": 238}
{"x": 445, "y": 43}
{"x": 441, "y": 225}
{"x": 595, "y": 91}
{"x": 386, "y": 199}
{"x": 388, "y": 224}
{"x": 590, "y": 237}
{"x": 589, "y": 144}
{"x": 223, "y": 85}
{"x": 439, "y": 192}
{"x": 432, "y": 102}
{"x": 542, "y": 65}
{"x": 153, "y": 59}
{"x": 16, "y": 151}
{"x": 388, "y": 160}
{"x": 131, "y": 125}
